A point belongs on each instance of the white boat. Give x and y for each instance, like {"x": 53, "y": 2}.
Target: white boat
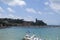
{"x": 33, "y": 37}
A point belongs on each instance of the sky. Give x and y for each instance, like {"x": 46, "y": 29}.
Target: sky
{"x": 29, "y": 10}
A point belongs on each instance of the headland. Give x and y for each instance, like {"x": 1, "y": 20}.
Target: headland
{"x": 6, "y": 22}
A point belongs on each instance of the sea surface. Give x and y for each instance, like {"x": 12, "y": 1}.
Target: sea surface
{"x": 17, "y": 33}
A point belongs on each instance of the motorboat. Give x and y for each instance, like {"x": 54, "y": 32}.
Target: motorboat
{"x": 33, "y": 37}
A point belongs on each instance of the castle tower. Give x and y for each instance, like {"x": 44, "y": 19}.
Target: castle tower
{"x": 36, "y": 19}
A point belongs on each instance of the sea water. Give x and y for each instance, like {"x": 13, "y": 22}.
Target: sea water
{"x": 17, "y": 33}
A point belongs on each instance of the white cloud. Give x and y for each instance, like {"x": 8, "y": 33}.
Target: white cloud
{"x": 30, "y": 10}
{"x": 46, "y": 3}
{"x": 10, "y": 10}
{"x": 14, "y": 2}
{"x": 1, "y": 9}
{"x": 39, "y": 12}
{"x": 22, "y": 3}
{"x": 55, "y": 5}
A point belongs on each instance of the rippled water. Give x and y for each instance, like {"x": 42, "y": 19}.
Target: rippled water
{"x": 17, "y": 33}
